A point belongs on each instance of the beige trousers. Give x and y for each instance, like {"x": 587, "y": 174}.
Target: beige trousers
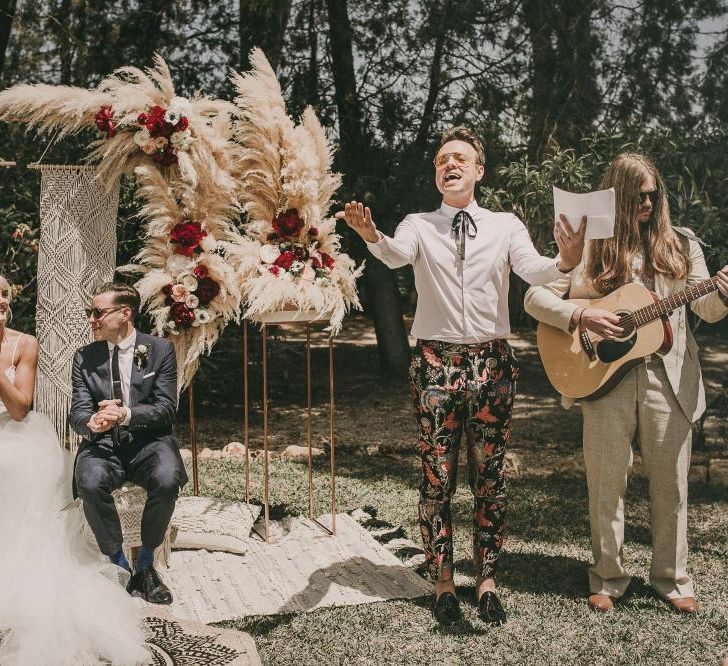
{"x": 644, "y": 405}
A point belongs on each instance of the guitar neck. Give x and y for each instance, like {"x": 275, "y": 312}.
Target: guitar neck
{"x": 665, "y": 306}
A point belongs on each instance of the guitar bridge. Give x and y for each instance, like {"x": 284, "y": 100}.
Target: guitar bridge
{"x": 587, "y": 346}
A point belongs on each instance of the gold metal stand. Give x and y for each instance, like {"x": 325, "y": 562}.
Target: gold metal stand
{"x": 309, "y": 429}
{"x": 193, "y": 439}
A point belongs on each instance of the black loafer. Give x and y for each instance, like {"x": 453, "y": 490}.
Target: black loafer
{"x": 147, "y": 584}
{"x": 490, "y": 609}
{"x": 447, "y": 610}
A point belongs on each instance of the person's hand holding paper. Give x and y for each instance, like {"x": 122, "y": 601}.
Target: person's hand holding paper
{"x": 597, "y": 206}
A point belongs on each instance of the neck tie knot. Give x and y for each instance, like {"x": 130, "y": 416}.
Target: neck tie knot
{"x": 463, "y": 225}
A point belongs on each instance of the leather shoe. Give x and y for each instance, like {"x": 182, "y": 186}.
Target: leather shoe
{"x": 490, "y": 609}
{"x": 147, "y": 584}
{"x": 685, "y": 605}
{"x": 601, "y": 603}
{"x": 447, "y": 610}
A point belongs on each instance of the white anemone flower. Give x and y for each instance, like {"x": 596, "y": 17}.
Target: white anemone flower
{"x": 192, "y": 301}
{"x": 203, "y": 316}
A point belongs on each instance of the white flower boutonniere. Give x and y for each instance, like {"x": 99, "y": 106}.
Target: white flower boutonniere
{"x": 141, "y": 354}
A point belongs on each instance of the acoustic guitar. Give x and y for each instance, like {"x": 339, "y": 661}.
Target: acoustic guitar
{"x": 584, "y": 365}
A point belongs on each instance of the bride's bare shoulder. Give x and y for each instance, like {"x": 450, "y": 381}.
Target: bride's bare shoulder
{"x": 25, "y": 344}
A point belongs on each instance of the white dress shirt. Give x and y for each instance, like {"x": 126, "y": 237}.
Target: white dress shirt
{"x": 466, "y": 301}
{"x": 126, "y": 360}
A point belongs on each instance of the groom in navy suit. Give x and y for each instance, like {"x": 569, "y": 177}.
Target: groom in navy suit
{"x": 124, "y": 406}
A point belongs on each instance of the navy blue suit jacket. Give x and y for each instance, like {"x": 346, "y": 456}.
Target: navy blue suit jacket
{"x": 152, "y": 389}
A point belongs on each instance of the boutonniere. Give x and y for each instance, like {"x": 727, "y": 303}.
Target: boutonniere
{"x": 141, "y": 354}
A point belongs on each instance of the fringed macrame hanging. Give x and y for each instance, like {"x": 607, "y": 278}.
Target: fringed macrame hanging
{"x": 77, "y": 251}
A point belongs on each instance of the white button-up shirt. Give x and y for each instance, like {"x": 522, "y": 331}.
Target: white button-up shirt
{"x": 126, "y": 359}
{"x": 459, "y": 301}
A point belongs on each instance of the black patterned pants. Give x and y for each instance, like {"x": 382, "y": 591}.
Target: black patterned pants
{"x": 463, "y": 389}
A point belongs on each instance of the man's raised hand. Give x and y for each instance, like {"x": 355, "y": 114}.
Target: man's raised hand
{"x": 359, "y": 218}
{"x": 570, "y": 242}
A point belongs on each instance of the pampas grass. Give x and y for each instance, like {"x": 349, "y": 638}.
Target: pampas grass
{"x": 286, "y": 166}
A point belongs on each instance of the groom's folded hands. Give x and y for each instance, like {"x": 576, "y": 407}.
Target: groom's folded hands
{"x": 110, "y": 413}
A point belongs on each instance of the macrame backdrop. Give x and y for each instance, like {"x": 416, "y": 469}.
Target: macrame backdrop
{"x": 77, "y": 252}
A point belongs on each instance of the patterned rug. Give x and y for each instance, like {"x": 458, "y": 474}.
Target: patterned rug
{"x": 172, "y": 641}
{"x": 303, "y": 569}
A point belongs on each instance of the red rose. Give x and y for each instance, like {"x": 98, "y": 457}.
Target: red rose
{"x": 187, "y": 236}
{"x": 200, "y": 271}
{"x": 155, "y": 120}
{"x": 274, "y": 269}
{"x": 142, "y": 119}
{"x": 327, "y": 260}
{"x": 167, "y": 289}
{"x": 315, "y": 263}
{"x": 300, "y": 252}
{"x": 181, "y": 315}
{"x": 288, "y": 223}
{"x": 104, "y": 122}
{"x": 284, "y": 260}
{"x": 206, "y": 290}
{"x": 182, "y": 124}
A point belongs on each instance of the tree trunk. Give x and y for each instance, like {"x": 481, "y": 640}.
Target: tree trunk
{"x": 7, "y": 14}
{"x": 262, "y": 23}
{"x": 355, "y": 155}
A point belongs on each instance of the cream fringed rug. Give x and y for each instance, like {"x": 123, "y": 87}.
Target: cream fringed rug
{"x": 174, "y": 641}
{"x": 302, "y": 570}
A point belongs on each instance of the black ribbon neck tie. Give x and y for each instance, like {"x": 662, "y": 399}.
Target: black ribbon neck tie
{"x": 463, "y": 226}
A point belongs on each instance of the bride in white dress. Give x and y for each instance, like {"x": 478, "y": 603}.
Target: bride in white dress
{"x": 60, "y": 605}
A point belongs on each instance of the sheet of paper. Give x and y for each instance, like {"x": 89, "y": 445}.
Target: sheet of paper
{"x": 597, "y": 206}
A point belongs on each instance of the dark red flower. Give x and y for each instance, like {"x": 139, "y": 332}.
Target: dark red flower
{"x": 284, "y": 260}
{"x": 288, "y": 223}
{"x": 167, "y": 289}
{"x": 155, "y": 120}
{"x": 182, "y": 124}
{"x": 327, "y": 260}
{"x": 271, "y": 236}
{"x": 200, "y": 271}
{"x": 274, "y": 269}
{"x": 300, "y": 252}
{"x": 142, "y": 119}
{"x": 181, "y": 315}
{"x": 315, "y": 263}
{"x": 168, "y": 300}
{"x": 206, "y": 290}
{"x": 187, "y": 237}
{"x": 313, "y": 232}
{"x": 104, "y": 122}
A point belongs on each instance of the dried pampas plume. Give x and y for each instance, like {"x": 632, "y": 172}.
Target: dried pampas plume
{"x": 285, "y": 168}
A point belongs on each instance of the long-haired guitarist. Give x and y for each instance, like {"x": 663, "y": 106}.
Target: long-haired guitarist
{"x": 657, "y": 401}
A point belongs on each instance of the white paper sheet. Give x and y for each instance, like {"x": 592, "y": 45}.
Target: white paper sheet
{"x": 597, "y": 206}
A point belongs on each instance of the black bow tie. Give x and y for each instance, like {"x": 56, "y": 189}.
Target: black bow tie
{"x": 463, "y": 225}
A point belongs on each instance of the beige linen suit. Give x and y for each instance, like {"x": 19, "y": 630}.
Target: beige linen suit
{"x": 657, "y": 402}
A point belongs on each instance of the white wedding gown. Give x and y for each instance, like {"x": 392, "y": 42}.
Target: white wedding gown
{"x": 60, "y": 603}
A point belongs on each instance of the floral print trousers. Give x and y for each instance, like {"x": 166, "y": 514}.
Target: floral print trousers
{"x": 463, "y": 389}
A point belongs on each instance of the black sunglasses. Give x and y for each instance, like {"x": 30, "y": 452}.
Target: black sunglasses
{"x": 101, "y": 312}
{"x": 652, "y": 195}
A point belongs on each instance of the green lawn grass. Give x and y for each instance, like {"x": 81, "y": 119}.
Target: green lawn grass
{"x": 542, "y": 577}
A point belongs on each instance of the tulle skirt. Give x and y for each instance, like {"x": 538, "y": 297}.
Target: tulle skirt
{"x": 61, "y": 604}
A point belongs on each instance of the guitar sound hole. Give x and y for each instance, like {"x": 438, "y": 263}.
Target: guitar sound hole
{"x": 609, "y": 351}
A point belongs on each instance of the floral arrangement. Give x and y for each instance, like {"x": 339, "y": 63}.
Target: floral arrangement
{"x": 186, "y": 169}
{"x": 158, "y": 132}
{"x": 289, "y": 256}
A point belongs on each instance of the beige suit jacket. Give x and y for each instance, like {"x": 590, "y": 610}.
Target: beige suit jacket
{"x": 681, "y": 363}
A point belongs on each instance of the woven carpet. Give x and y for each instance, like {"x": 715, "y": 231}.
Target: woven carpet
{"x": 303, "y": 569}
{"x": 171, "y": 640}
